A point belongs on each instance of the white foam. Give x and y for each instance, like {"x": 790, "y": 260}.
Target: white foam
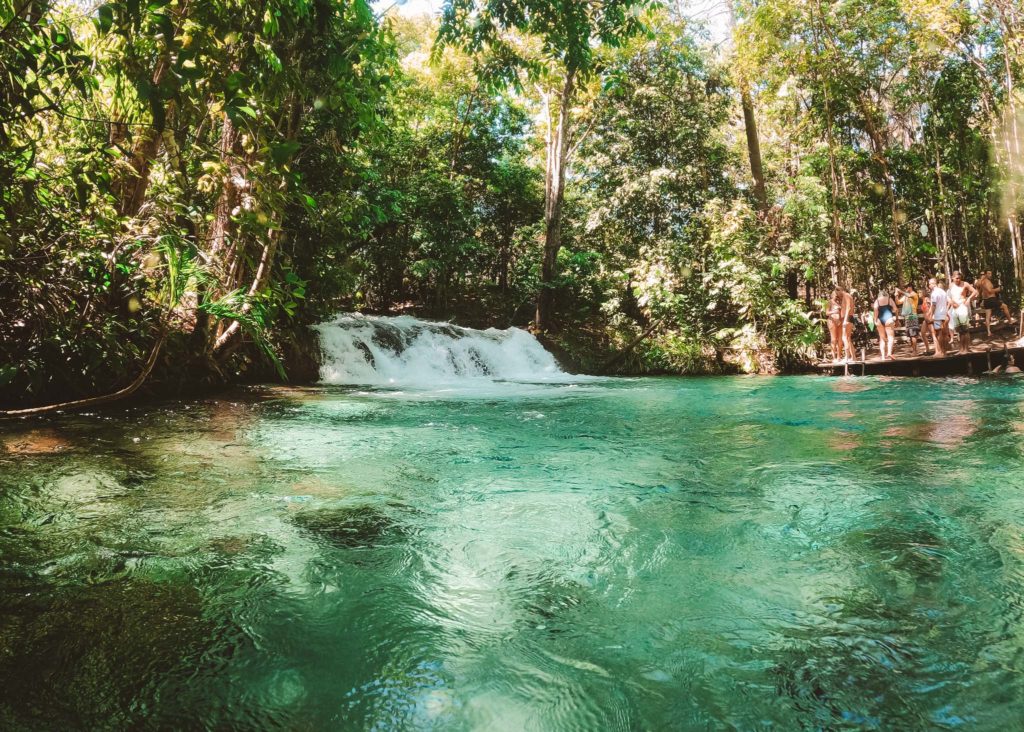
{"x": 377, "y": 350}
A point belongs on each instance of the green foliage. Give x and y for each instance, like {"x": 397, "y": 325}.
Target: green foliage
{"x": 659, "y": 233}
{"x": 225, "y": 172}
{"x": 892, "y": 107}
{"x": 568, "y": 33}
{"x": 434, "y": 209}
{"x": 768, "y": 331}
{"x": 149, "y": 159}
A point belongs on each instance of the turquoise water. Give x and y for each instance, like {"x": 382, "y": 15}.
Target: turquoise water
{"x": 648, "y": 554}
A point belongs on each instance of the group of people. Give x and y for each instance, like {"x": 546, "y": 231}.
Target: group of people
{"x": 935, "y": 316}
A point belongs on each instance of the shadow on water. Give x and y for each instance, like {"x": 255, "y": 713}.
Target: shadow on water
{"x": 96, "y": 656}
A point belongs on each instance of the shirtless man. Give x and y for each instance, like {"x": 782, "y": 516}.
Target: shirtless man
{"x": 926, "y": 321}
{"x": 961, "y": 294}
{"x": 840, "y": 323}
{"x": 988, "y": 298}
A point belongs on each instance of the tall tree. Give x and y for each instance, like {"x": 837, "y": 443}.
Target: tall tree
{"x": 557, "y": 42}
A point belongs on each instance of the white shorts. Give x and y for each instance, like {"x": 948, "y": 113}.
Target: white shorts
{"x": 959, "y": 317}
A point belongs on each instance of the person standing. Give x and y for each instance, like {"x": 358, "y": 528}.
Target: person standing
{"x": 840, "y": 323}
{"x": 927, "y": 336}
{"x": 988, "y": 298}
{"x": 908, "y": 300}
{"x": 885, "y": 319}
{"x": 939, "y": 306}
{"x": 961, "y": 295}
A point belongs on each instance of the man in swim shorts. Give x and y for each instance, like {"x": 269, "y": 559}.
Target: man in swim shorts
{"x": 961, "y": 294}
{"x": 908, "y": 299}
{"x": 939, "y": 311}
{"x": 988, "y": 298}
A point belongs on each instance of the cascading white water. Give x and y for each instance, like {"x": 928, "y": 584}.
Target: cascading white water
{"x": 366, "y": 349}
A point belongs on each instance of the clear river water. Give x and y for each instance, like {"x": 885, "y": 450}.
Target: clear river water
{"x": 577, "y": 554}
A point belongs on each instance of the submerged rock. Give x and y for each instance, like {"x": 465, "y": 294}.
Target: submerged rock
{"x": 34, "y": 442}
{"x": 351, "y": 527}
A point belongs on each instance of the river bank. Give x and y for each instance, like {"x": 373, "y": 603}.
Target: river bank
{"x": 630, "y": 349}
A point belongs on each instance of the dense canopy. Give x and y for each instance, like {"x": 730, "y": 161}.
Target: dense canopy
{"x": 187, "y": 185}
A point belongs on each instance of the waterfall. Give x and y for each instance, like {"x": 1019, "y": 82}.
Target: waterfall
{"x": 366, "y": 349}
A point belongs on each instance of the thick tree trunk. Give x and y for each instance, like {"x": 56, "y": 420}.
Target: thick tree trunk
{"x": 554, "y": 194}
{"x": 218, "y": 240}
{"x": 130, "y": 188}
{"x": 237, "y": 188}
{"x": 753, "y": 140}
{"x": 220, "y": 228}
{"x": 754, "y": 150}
{"x": 220, "y": 247}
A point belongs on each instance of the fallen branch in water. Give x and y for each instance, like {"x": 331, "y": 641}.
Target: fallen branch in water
{"x": 93, "y": 401}
{"x": 630, "y": 346}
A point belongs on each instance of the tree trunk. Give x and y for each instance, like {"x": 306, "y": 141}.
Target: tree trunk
{"x": 1014, "y": 159}
{"x": 836, "y": 235}
{"x": 130, "y": 188}
{"x": 554, "y": 194}
{"x": 750, "y": 127}
{"x": 879, "y": 144}
{"x": 231, "y": 333}
{"x": 754, "y": 150}
{"x": 220, "y": 227}
{"x": 941, "y": 233}
{"x": 221, "y": 247}
{"x": 504, "y": 261}
{"x": 126, "y": 391}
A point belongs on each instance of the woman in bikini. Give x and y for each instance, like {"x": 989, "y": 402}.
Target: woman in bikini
{"x": 840, "y": 323}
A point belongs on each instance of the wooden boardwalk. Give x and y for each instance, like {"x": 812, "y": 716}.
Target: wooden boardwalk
{"x": 986, "y": 353}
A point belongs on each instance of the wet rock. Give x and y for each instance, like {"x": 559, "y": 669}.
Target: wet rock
{"x": 34, "y": 442}
{"x": 349, "y": 528}
{"x": 389, "y": 338}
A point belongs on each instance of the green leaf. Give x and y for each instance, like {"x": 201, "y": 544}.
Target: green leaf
{"x": 234, "y": 81}
{"x": 104, "y": 18}
{"x": 282, "y": 152}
